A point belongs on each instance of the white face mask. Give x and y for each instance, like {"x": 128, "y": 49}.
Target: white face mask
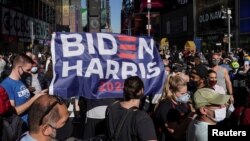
{"x": 184, "y": 98}
{"x": 220, "y": 114}
{"x": 167, "y": 73}
{"x": 34, "y": 69}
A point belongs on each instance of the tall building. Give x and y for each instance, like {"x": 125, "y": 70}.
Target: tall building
{"x": 98, "y": 15}
{"x": 206, "y": 22}
{"x": 26, "y": 24}
{"x": 135, "y": 19}
{"x": 243, "y": 34}
{"x": 69, "y": 18}
{"x": 177, "y": 23}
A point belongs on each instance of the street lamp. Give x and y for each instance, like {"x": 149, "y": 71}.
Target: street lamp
{"x": 228, "y": 16}
{"x": 149, "y": 25}
{"x": 32, "y": 36}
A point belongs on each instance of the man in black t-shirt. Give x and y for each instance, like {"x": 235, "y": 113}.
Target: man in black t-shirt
{"x": 125, "y": 120}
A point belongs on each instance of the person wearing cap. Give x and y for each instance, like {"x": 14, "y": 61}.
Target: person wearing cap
{"x": 209, "y": 107}
{"x": 198, "y": 78}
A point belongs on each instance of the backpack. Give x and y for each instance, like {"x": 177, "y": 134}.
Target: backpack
{"x": 12, "y": 127}
{"x": 113, "y": 133}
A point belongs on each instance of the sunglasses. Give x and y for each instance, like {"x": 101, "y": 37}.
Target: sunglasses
{"x": 59, "y": 100}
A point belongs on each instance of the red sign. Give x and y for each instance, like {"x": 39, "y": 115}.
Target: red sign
{"x": 154, "y": 4}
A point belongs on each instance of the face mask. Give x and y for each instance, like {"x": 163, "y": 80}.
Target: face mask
{"x": 167, "y": 73}
{"x": 215, "y": 62}
{"x": 64, "y": 132}
{"x": 184, "y": 98}
{"x": 212, "y": 82}
{"x": 220, "y": 114}
{"x": 34, "y": 69}
{"x": 193, "y": 83}
{"x": 24, "y": 75}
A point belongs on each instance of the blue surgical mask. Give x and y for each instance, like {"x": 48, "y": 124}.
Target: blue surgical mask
{"x": 34, "y": 69}
{"x": 184, "y": 98}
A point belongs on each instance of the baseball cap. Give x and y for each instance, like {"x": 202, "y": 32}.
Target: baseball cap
{"x": 200, "y": 70}
{"x": 207, "y": 96}
{"x": 4, "y": 101}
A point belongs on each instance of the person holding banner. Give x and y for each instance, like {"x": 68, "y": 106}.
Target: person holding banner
{"x": 19, "y": 94}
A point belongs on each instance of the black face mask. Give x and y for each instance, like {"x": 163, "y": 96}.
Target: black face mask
{"x": 24, "y": 75}
{"x": 193, "y": 83}
{"x": 64, "y": 132}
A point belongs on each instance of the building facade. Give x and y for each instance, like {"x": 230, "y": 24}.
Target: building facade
{"x": 135, "y": 19}
{"x": 203, "y": 21}
{"x": 212, "y": 24}
{"x": 29, "y": 24}
{"x": 25, "y": 24}
{"x": 98, "y": 16}
{"x": 243, "y": 11}
{"x": 177, "y": 22}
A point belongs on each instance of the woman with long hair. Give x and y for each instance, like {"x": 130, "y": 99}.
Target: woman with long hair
{"x": 173, "y": 109}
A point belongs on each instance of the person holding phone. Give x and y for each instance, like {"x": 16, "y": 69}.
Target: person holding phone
{"x": 19, "y": 95}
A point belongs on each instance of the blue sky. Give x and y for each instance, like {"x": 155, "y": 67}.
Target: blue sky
{"x": 115, "y": 9}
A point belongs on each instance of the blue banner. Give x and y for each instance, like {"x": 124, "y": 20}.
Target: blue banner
{"x": 95, "y": 65}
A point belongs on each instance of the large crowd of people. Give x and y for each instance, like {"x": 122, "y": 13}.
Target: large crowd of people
{"x": 201, "y": 89}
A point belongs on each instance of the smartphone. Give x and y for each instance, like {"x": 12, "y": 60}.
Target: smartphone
{"x": 32, "y": 89}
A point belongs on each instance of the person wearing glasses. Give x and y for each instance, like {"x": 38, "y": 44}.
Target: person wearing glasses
{"x": 48, "y": 120}
{"x": 18, "y": 93}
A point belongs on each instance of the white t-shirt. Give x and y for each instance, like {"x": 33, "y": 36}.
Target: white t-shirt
{"x": 197, "y": 131}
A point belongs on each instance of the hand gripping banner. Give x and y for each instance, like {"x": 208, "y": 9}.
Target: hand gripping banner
{"x": 95, "y": 65}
